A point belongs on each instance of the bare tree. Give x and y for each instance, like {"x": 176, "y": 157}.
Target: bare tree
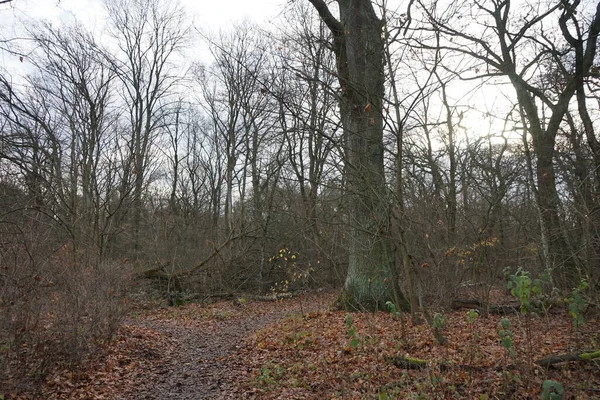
{"x": 54, "y": 152}
{"x": 228, "y": 89}
{"x": 237, "y": 92}
{"x": 150, "y": 34}
{"x": 305, "y": 86}
{"x": 78, "y": 86}
{"x": 505, "y": 40}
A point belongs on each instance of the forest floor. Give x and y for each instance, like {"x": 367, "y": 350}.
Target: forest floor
{"x": 298, "y": 348}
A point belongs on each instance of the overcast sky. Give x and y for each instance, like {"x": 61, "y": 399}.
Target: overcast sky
{"x": 211, "y": 13}
{"x": 206, "y": 15}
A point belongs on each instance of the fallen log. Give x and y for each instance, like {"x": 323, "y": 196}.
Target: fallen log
{"x": 478, "y": 305}
{"x": 407, "y": 362}
{"x": 274, "y": 296}
{"x": 503, "y": 309}
{"x": 161, "y": 273}
{"x": 155, "y": 273}
{"x": 417, "y": 363}
{"x": 548, "y": 361}
{"x": 466, "y": 303}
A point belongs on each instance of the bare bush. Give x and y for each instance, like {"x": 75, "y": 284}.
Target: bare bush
{"x": 52, "y": 310}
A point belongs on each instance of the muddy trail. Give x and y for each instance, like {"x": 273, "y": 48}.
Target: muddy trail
{"x": 191, "y": 352}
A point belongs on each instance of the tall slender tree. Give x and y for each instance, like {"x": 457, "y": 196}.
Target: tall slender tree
{"x": 149, "y": 35}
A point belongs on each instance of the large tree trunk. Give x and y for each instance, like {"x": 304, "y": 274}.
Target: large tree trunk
{"x": 556, "y": 252}
{"x": 371, "y": 280}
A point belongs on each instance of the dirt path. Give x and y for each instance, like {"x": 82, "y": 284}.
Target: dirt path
{"x": 195, "y": 352}
{"x": 199, "y": 362}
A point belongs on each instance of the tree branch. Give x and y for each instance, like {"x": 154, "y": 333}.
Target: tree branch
{"x": 332, "y": 23}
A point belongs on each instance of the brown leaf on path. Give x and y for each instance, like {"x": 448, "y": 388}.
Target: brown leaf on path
{"x": 299, "y": 349}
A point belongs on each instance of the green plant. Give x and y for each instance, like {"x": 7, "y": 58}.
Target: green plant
{"x": 270, "y": 374}
{"x": 577, "y": 304}
{"x": 473, "y": 348}
{"x": 176, "y": 299}
{"x": 552, "y": 390}
{"x": 506, "y": 336}
{"x": 510, "y": 382}
{"x": 526, "y": 289}
{"x": 386, "y": 394}
{"x": 298, "y": 339}
{"x": 265, "y": 376}
{"x": 439, "y": 321}
{"x": 393, "y": 309}
{"x": 398, "y": 314}
{"x": 240, "y": 301}
{"x": 354, "y": 338}
{"x": 472, "y": 316}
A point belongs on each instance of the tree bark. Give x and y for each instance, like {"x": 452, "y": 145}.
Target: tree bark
{"x": 548, "y": 361}
{"x": 358, "y": 45}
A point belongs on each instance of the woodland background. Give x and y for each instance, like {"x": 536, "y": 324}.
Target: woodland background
{"x": 121, "y": 158}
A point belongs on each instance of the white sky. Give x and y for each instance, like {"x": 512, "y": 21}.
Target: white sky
{"x": 205, "y": 12}
{"x": 207, "y": 15}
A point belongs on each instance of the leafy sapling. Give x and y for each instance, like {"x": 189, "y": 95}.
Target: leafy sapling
{"x": 506, "y": 336}
{"x": 525, "y": 289}
{"x": 577, "y": 304}
{"x": 354, "y": 338}
{"x": 439, "y": 321}
{"x": 472, "y": 316}
{"x": 398, "y": 314}
{"x": 473, "y": 348}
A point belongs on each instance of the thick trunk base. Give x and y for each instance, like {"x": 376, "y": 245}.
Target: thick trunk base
{"x": 351, "y": 300}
